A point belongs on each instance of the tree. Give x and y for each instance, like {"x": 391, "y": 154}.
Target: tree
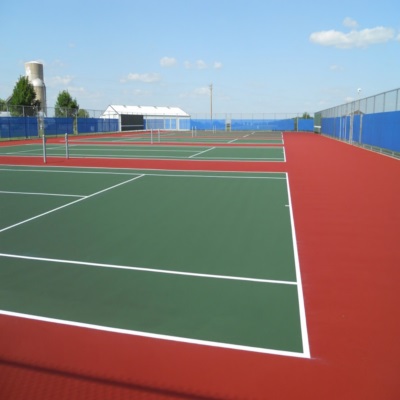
{"x": 306, "y": 116}
{"x": 66, "y": 106}
{"x": 24, "y": 95}
{"x": 82, "y": 113}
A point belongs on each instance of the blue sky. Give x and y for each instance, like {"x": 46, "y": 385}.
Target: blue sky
{"x": 261, "y": 56}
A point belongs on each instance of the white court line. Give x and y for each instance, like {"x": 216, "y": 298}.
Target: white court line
{"x": 37, "y": 149}
{"x": 130, "y": 156}
{"x": 69, "y": 204}
{"x": 151, "y": 270}
{"x": 302, "y": 311}
{"x": 133, "y": 149}
{"x": 178, "y": 175}
{"x": 306, "y": 350}
{"x": 163, "y": 157}
{"x": 201, "y": 152}
{"x": 154, "y": 335}
{"x": 217, "y": 176}
{"x": 232, "y": 141}
{"x": 243, "y": 158}
{"x": 23, "y": 151}
{"x": 41, "y": 194}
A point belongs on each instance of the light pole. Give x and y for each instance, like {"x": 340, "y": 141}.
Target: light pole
{"x": 211, "y": 101}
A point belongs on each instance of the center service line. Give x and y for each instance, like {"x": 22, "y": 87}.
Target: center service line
{"x": 70, "y": 204}
{"x": 201, "y": 152}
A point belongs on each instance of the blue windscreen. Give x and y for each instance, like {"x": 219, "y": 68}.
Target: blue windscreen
{"x": 18, "y": 127}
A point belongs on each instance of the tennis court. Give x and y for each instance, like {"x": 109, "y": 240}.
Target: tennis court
{"x": 159, "y": 136}
{"x": 161, "y": 254}
{"x": 112, "y": 150}
{"x": 180, "y": 278}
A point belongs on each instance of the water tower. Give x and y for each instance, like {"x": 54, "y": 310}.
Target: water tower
{"x": 34, "y": 72}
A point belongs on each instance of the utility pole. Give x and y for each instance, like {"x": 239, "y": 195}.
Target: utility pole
{"x": 211, "y": 101}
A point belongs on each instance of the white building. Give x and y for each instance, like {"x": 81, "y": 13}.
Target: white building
{"x": 148, "y": 117}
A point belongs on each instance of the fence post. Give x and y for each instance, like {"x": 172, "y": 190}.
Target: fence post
{"x": 66, "y": 146}
{"x": 44, "y": 149}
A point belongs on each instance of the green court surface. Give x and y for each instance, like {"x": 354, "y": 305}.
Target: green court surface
{"x": 154, "y": 151}
{"x": 207, "y": 258}
{"x": 238, "y": 137}
{"x": 177, "y": 139}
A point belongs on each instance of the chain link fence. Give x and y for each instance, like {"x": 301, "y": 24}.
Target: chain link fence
{"x": 51, "y": 112}
{"x": 252, "y": 121}
{"x": 30, "y": 122}
{"x": 372, "y": 122}
{"x": 22, "y": 122}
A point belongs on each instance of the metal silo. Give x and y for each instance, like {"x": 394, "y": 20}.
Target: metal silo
{"x": 34, "y": 72}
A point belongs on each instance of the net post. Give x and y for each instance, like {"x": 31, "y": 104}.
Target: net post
{"x": 44, "y": 149}
{"x": 66, "y": 146}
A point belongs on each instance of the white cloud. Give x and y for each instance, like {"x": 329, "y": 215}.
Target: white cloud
{"x": 146, "y": 78}
{"x": 335, "y": 67}
{"x": 57, "y": 63}
{"x": 362, "y": 38}
{"x": 59, "y": 80}
{"x": 196, "y": 93}
{"x": 205, "y": 90}
{"x": 350, "y": 23}
{"x": 167, "y": 62}
{"x": 76, "y": 89}
{"x": 200, "y": 64}
{"x": 398, "y": 37}
{"x": 140, "y": 92}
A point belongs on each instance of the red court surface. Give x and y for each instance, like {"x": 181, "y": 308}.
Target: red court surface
{"x": 346, "y": 211}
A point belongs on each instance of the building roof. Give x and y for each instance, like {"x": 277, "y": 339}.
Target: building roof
{"x": 151, "y": 111}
